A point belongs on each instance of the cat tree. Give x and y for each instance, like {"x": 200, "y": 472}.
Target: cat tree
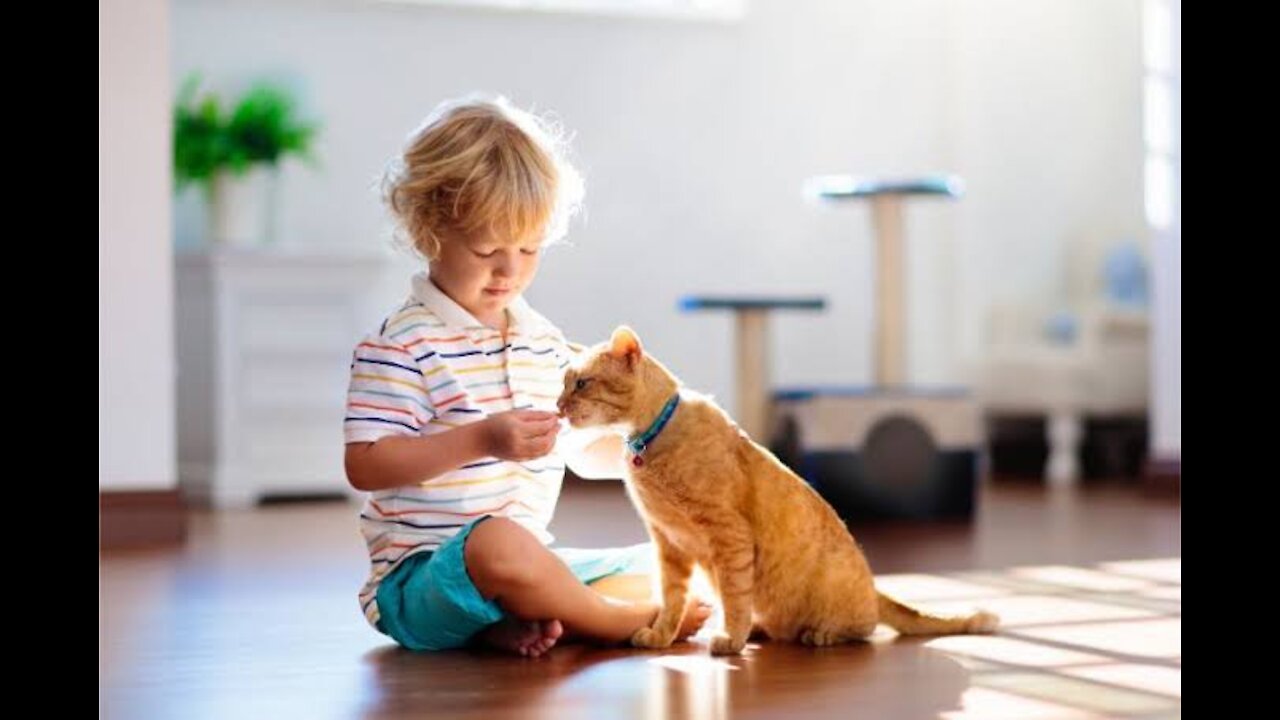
{"x": 889, "y": 450}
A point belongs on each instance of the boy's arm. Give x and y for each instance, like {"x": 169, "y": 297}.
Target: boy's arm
{"x": 398, "y": 460}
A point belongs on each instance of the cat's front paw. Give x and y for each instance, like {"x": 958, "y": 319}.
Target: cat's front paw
{"x": 647, "y": 637}
{"x": 725, "y": 645}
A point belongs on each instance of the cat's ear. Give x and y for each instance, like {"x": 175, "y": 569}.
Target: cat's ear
{"x": 625, "y": 345}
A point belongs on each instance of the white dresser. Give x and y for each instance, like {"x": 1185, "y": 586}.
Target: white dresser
{"x": 264, "y": 345}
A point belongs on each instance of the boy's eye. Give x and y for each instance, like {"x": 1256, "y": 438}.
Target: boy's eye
{"x": 581, "y": 384}
{"x": 485, "y": 254}
{"x": 528, "y": 251}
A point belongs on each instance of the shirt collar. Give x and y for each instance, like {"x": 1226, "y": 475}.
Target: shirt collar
{"x": 447, "y": 309}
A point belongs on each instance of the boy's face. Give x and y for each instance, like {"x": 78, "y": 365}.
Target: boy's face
{"x": 485, "y": 275}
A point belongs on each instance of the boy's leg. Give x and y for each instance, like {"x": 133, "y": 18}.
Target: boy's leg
{"x": 626, "y": 587}
{"x": 507, "y": 564}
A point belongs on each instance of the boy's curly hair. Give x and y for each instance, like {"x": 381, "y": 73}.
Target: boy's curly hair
{"x": 482, "y": 168}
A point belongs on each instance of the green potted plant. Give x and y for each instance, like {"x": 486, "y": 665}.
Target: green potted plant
{"x": 233, "y": 155}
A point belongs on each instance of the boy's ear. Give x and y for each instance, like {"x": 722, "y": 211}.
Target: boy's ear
{"x": 625, "y": 345}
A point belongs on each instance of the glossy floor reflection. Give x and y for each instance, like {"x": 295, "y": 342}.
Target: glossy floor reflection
{"x": 256, "y": 618}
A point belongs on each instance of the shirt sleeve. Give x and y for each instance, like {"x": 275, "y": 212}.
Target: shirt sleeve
{"x": 387, "y": 394}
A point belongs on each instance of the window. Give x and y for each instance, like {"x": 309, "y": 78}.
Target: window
{"x": 1162, "y": 112}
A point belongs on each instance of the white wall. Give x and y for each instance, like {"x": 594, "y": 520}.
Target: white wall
{"x": 135, "y": 267}
{"x": 1166, "y": 411}
{"x": 695, "y": 139}
{"x": 1166, "y": 395}
{"x": 1049, "y": 136}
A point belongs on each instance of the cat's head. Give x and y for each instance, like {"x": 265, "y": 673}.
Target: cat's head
{"x": 614, "y": 384}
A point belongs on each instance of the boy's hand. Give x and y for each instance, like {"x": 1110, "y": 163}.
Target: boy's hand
{"x": 521, "y": 434}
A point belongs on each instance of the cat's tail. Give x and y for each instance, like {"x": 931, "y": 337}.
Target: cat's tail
{"x": 910, "y": 621}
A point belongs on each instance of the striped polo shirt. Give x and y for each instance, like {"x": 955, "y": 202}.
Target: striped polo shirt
{"x": 432, "y": 367}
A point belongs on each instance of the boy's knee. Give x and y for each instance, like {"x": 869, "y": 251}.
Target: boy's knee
{"x": 500, "y": 554}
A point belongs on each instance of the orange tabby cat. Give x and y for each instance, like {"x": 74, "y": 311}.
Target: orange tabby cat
{"x": 776, "y": 553}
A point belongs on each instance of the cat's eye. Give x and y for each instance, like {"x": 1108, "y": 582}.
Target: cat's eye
{"x": 581, "y": 384}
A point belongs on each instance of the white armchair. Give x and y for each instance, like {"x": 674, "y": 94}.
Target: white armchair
{"x": 1099, "y": 367}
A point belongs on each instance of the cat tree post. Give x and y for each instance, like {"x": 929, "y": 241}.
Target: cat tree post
{"x": 892, "y": 450}
{"x": 751, "y": 339}
{"x": 889, "y": 359}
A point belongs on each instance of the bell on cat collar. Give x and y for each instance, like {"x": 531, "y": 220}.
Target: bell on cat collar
{"x": 637, "y": 460}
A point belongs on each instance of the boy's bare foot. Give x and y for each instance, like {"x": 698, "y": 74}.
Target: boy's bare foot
{"x": 529, "y": 638}
{"x": 695, "y": 616}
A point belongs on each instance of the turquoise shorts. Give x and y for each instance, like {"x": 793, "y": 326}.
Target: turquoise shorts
{"x": 429, "y": 602}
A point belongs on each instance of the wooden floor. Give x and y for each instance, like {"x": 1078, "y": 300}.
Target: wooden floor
{"x": 256, "y": 617}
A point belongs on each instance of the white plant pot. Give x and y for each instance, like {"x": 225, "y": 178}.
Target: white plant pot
{"x": 242, "y": 207}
